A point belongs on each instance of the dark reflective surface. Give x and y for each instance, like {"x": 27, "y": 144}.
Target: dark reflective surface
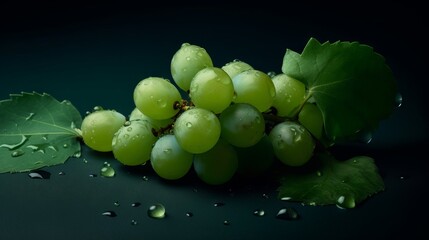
{"x": 95, "y": 55}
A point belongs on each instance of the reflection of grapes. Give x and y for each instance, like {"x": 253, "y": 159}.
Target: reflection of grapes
{"x": 237, "y": 119}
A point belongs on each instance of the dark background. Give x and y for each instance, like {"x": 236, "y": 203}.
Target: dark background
{"x": 95, "y": 53}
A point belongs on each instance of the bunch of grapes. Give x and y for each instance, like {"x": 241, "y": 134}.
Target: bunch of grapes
{"x": 233, "y": 119}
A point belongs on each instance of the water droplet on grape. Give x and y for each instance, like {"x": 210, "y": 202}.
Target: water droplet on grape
{"x": 97, "y": 108}
{"x": 17, "y": 153}
{"x": 167, "y": 151}
{"x": 185, "y": 44}
{"x": 287, "y": 214}
{"x": 39, "y": 174}
{"x": 346, "y": 201}
{"x": 398, "y": 100}
{"x": 109, "y": 214}
{"x": 188, "y": 59}
{"x": 259, "y": 213}
{"x": 271, "y": 74}
{"x": 188, "y": 124}
{"x": 129, "y": 129}
{"x": 156, "y": 211}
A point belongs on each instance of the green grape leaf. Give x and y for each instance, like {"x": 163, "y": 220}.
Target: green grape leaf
{"x": 36, "y": 130}
{"x": 352, "y": 85}
{"x": 345, "y": 183}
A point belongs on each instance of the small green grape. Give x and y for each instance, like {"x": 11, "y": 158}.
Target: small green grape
{"x": 212, "y": 89}
{"x": 132, "y": 143}
{"x": 99, "y": 127}
{"x": 218, "y": 165}
{"x": 311, "y": 118}
{"x": 290, "y": 95}
{"x": 169, "y": 160}
{"x": 197, "y": 130}
{"x": 186, "y": 62}
{"x": 156, "y": 98}
{"x": 254, "y": 87}
{"x": 292, "y": 143}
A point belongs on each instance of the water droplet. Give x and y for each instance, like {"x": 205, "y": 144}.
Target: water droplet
{"x": 77, "y": 154}
{"x": 194, "y": 190}
{"x": 92, "y": 175}
{"x": 167, "y": 151}
{"x": 116, "y": 204}
{"x": 87, "y": 112}
{"x": 286, "y": 198}
{"x": 259, "y": 212}
{"x": 145, "y": 178}
{"x": 14, "y": 146}
{"x": 402, "y": 177}
{"x": 31, "y": 115}
{"x": 398, "y": 100}
{"x": 218, "y": 204}
{"x": 271, "y": 74}
{"x": 355, "y": 161}
{"x": 61, "y": 173}
{"x": 107, "y": 170}
{"x": 188, "y": 59}
{"x": 188, "y": 124}
{"x": 319, "y": 173}
{"x": 17, "y": 153}
{"x": 84, "y": 160}
{"x": 135, "y": 204}
{"x": 109, "y": 214}
{"x": 127, "y": 123}
{"x": 45, "y": 138}
{"x": 264, "y": 195}
{"x": 97, "y": 108}
{"x": 185, "y": 44}
{"x": 226, "y": 223}
{"x": 287, "y": 214}
{"x": 346, "y": 202}
{"x": 129, "y": 129}
{"x": 65, "y": 145}
{"x": 133, "y": 222}
{"x": 39, "y": 174}
{"x": 156, "y": 211}
{"x": 189, "y": 214}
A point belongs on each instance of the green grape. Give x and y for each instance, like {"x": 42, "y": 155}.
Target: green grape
{"x": 197, "y": 130}
{"x": 290, "y": 95}
{"x": 186, "y": 62}
{"x": 235, "y": 67}
{"x": 311, "y": 118}
{"x": 169, "y": 160}
{"x": 99, "y": 127}
{"x": 132, "y": 143}
{"x": 242, "y": 125}
{"x": 254, "y": 87}
{"x": 212, "y": 89}
{"x": 292, "y": 143}
{"x": 255, "y": 160}
{"x": 218, "y": 165}
{"x": 156, "y": 98}
{"x": 156, "y": 124}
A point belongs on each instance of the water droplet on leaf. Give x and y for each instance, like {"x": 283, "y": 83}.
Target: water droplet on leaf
{"x": 346, "y": 201}
{"x": 17, "y": 153}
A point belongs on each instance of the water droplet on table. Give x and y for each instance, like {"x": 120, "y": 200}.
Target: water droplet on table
{"x": 135, "y": 204}
{"x": 107, "y": 170}
{"x": 189, "y": 214}
{"x": 39, "y": 174}
{"x": 116, "y": 204}
{"x": 287, "y": 214}
{"x": 109, "y": 214}
{"x": 218, "y": 204}
{"x": 156, "y": 211}
{"x": 226, "y": 223}
{"x": 259, "y": 212}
